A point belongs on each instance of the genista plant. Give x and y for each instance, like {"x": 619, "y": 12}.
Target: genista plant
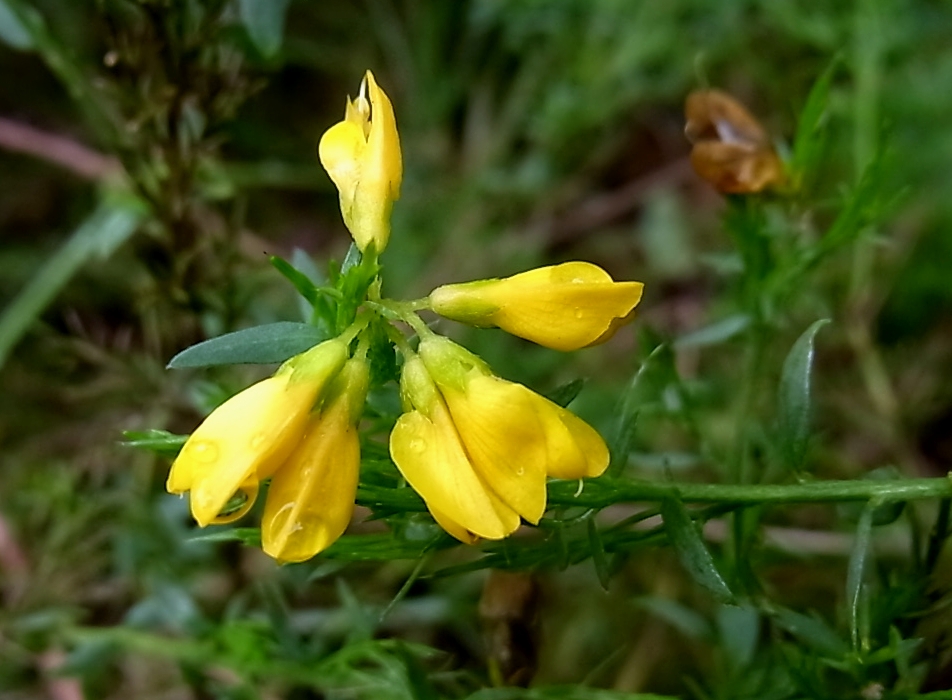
{"x": 472, "y": 457}
{"x": 509, "y": 488}
{"x": 477, "y": 449}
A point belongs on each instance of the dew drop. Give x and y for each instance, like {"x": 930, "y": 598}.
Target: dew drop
{"x": 579, "y": 313}
{"x": 418, "y": 445}
{"x": 204, "y": 451}
{"x": 257, "y": 440}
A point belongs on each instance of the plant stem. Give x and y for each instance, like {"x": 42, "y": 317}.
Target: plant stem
{"x": 602, "y": 492}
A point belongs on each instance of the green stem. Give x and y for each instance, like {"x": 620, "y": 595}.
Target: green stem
{"x": 939, "y": 535}
{"x": 602, "y": 492}
{"x": 753, "y": 361}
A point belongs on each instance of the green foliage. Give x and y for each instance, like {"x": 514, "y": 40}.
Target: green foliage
{"x": 96, "y": 239}
{"x": 774, "y": 521}
{"x": 270, "y": 343}
{"x": 692, "y": 551}
{"x": 264, "y": 22}
{"x": 794, "y": 399}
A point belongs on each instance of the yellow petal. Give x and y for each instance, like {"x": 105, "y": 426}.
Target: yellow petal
{"x": 385, "y": 160}
{"x": 311, "y": 498}
{"x": 452, "y": 527}
{"x": 362, "y": 156}
{"x": 574, "y": 448}
{"x": 249, "y": 492}
{"x": 341, "y": 152}
{"x": 564, "y": 307}
{"x": 465, "y": 536}
{"x": 250, "y": 435}
{"x": 246, "y": 437}
{"x": 500, "y": 431}
{"x": 430, "y": 456}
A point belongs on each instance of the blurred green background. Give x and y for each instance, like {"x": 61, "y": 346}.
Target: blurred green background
{"x": 533, "y": 131}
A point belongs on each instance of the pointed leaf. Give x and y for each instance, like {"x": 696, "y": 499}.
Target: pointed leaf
{"x": 808, "y": 145}
{"x": 267, "y": 344}
{"x": 691, "y": 549}
{"x": 715, "y": 333}
{"x": 598, "y": 554}
{"x": 159, "y": 441}
{"x": 13, "y": 32}
{"x": 794, "y": 399}
{"x": 104, "y": 231}
{"x": 301, "y": 282}
{"x": 739, "y": 631}
{"x": 353, "y": 258}
{"x": 856, "y": 570}
{"x": 645, "y": 391}
{"x": 812, "y": 631}
{"x": 264, "y": 22}
{"x": 565, "y": 394}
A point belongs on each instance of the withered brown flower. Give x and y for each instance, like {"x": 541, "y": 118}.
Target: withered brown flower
{"x": 732, "y": 151}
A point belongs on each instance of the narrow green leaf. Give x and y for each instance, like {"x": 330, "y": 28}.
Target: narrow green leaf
{"x": 598, "y": 554}
{"x": 301, "y": 282}
{"x": 352, "y": 259}
{"x": 691, "y": 549}
{"x": 104, "y": 231}
{"x": 66, "y": 67}
{"x": 358, "y": 272}
{"x": 812, "y": 631}
{"x": 561, "y": 692}
{"x": 794, "y": 399}
{"x": 863, "y": 205}
{"x": 267, "y": 344}
{"x": 418, "y": 681}
{"x": 855, "y": 572}
{"x": 645, "y": 390}
{"x": 159, "y": 441}
{"x": 623, "y": 442}
{"x": 739, "y": 631}
{"x": 264, "y": 22}
{"x": 687, "y": 621}
{"x": 12, "y": 30}
{"x": 810, "y": 139}
{"x": 565, "y": 394}
{"x": 250, "y": 536}
{"x": 383, "y": 547}
{"x": 715, "y": 333}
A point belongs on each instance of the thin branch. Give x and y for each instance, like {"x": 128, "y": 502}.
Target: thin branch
{"x": 72, "y": 155}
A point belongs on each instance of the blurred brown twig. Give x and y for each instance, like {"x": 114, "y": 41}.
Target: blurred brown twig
{"x": 54, "y": 148}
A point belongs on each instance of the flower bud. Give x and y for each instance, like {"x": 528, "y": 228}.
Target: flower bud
{"x": 250, "y": 436}
{"x": 362, "y": 156}
{"x": 563, "y": 307}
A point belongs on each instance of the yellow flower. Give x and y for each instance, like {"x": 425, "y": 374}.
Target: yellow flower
{"x": 249, "y": 437}
{"x": 311, "y": 497}
{"x": 478, "y": 448}
{"x": 563, "y": 307}
{"x": 362, "y": 156}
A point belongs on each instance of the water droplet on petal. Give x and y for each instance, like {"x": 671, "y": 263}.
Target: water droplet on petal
{"x": 418, "y": 445}
{"x": 257, "y": 441}
{"x": 204, "y": 451}
{"x": 579, "y": 313}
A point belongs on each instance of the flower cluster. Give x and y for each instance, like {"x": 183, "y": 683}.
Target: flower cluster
{"x": 477, "y": 448}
